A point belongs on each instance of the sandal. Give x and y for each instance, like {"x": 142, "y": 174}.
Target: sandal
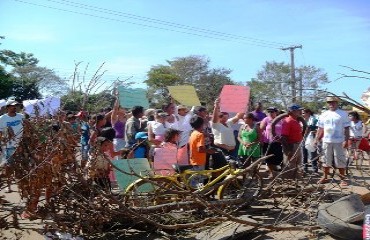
{"x": 25, "y": 215}
{"x": 323, "y": 181}
{"x": 343, "y": 183}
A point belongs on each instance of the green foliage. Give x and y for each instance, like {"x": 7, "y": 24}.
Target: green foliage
{"x": 13, "y": 59}
{"x": 5, "y": 84}
{"x": 274, "y": 86}
{"x": 192, "y": 70}
{"x": 26, "y": 80}
{"x": 73, "y": 101}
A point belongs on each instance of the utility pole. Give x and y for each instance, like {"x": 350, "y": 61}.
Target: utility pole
{"x": 292, "y": 70}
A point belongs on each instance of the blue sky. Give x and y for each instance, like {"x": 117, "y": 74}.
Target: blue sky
{"x": 332, "y": 32}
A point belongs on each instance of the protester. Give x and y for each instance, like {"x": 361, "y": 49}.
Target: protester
{"x": 309, "y": 150}
{"x": 334, "y": 132}
{"x": 202, "y": 112}
{"x": 118, "y": 121}
{"x": 185, "y": 129}
{"x": 85, "y": 136}
{"x": 99, "y": 162}
{"x": 169, "y": 146}
{"x": 258, "y": 112}
{"x": 157, "y": 128}
{"x": 134, "y": 125}
{"x": 223, "y": 133}
{"x": 271, "y": 144}
{"x": 249, "y": 138}
{"x": 11, "y": 130}
{"x": 100, "y": 122}
{"x": 198, "y": 148}
{"x": 291, "y": 139}
{"x": 357, "y": 133}
{"x": 141, "y": 147}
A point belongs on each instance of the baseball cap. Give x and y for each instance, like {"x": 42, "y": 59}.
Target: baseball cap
{"x": 141, "y": 135}
{"x": 294, "y": 107}
{"x": 12, "y": 102}
{"x": 182, "y": 107}
{"x": 272, "y": 109}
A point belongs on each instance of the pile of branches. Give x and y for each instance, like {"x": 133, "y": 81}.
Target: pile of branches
{"x": 47, "y": 161}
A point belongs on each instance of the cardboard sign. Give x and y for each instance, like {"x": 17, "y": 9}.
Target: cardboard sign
{"x": 234, "y": 99}
{"x": 184, "y": 94}
{"x": 130, "y": 97}
{"x": 140, "y": 166}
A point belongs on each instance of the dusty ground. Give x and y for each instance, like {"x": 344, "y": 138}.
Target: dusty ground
{"x": 263, "y": 211}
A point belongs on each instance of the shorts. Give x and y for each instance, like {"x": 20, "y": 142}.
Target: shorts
{"x": 334, "y": 153}
{"x": 7, "y": 155}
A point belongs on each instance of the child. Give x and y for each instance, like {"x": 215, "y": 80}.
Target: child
{"x": 141, "y": 145}
{"x": 166, "y": 155}
{"x": 99, "y": 162}
{"x": 198, "y": 150}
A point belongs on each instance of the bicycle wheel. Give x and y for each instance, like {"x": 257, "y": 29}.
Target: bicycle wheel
{"x": 143, "y": 193}
{"x": 246, "y": 188}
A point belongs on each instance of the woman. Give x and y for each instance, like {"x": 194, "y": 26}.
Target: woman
{"x": 271, "y": 145}
{"x": 357, "y": 131}
{"x": 157, "y": 128}
{"x": 249, "y": 137}
{"x": 171, "y": 120}
{"x": 118, "y": 120}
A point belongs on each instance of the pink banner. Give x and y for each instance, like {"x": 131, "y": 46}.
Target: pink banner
{"x": 234, "y": 98}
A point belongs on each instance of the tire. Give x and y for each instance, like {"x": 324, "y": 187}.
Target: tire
{"x": 247, "y": 188}
{"x": 142, "y": 193}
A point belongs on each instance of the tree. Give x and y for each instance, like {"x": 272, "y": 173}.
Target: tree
{"x": 46, "y": 80}
{"x": 5, "y": 84}
{"x": 273, "y": 84}
{"x": 26, "y": 80}
{"x": 13, "y": 59}
{"x": 192, "y": 70}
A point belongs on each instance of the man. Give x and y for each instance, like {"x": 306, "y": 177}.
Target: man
{"x": 334, "y": 132}
{"x": 223, "y": 132}
{"x": 11, "y": 129}
{"x": 291, "y": 138}
{"x": 183, "y": 116}
{"x": 134, "y": 125}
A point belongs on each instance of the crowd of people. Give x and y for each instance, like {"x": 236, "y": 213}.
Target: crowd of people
{"x": 206, "y": 141}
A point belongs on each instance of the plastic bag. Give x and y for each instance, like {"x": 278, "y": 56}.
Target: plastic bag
{"x": 310, "y": 143}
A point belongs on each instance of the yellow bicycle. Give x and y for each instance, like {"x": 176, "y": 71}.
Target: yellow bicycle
{"x": 227, "y": 182}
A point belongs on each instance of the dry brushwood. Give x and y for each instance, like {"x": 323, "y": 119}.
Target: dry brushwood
{"x": 47, "y": 160}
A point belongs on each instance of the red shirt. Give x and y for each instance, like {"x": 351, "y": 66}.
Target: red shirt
{"x": 292, "y": 130}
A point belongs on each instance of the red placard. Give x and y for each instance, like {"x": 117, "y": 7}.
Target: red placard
{"x": 234, "y": 98}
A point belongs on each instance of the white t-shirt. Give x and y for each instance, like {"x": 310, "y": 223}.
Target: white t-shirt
{"x": 223, "y": 134}
{"x": 333, "y": 123}
{"x": 185, "y": 128}
{"x": 12, "y": 126}
{"x": 356, "y": 129}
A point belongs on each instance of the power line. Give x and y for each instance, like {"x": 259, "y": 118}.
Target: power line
{"x": 167, "y": 23}
{"x": 223, "y": 38}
